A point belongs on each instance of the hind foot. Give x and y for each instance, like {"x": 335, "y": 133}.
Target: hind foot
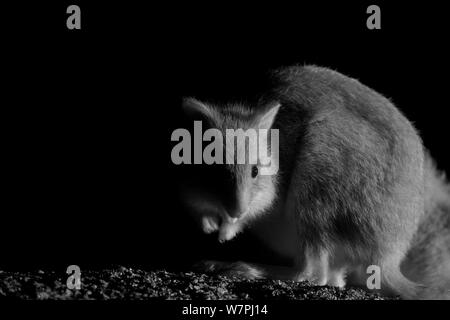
{"x": 318, "y": 271}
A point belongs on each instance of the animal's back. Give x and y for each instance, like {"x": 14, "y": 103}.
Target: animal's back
{"x": 351, "y": 152}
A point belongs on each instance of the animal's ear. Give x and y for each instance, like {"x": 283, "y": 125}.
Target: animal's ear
{"x": 196, "y": 109}
{"x": 266, "y": 119}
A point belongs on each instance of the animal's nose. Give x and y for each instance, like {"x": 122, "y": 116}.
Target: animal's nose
{"x": 235, "y": 214}
{"x": 238, "y": 203}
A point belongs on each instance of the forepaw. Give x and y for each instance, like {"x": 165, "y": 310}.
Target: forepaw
{"x": 228, "y": 231}
{"x": 210, "y": 224}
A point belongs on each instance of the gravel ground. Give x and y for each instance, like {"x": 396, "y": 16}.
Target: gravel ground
{"x": 130, "y": 284}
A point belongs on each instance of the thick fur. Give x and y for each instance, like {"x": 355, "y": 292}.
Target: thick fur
{"x": 355, "y": 188}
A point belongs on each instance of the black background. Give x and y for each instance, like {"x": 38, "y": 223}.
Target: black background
{"x": 86, "y": 174}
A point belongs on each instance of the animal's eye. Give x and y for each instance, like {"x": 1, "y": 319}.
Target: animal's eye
{"x": 254, "y": 171}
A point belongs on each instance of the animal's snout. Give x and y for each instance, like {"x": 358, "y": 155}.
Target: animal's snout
{"x": 238, "y": 211}
{"x": 238, "y": 203}
{"x": 236, "y": 215}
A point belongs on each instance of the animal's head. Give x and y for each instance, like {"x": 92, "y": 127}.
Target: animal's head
{"x": 243, "y": 143}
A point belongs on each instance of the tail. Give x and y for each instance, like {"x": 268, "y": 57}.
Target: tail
{"x": 428, "y": 258}
{"x": 394, "y": 282}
